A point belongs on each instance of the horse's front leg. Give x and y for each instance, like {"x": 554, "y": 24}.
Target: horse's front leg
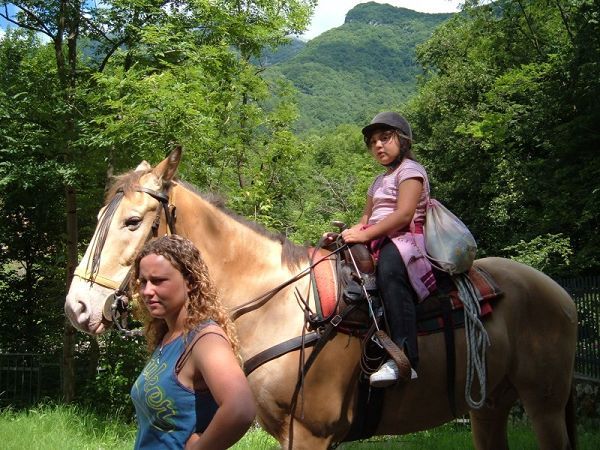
{"x": 323, "y": 408}
{"x": 300, "y": 437}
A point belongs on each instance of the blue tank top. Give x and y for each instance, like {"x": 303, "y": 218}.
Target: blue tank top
{"x": 168, "y": 412}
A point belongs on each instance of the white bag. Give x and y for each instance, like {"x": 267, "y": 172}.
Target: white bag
{"x": 449, "y": 243}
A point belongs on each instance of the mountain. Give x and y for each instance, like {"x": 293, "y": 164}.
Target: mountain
{"x": 368, "y": 64}
{"x": 282, "y": 53}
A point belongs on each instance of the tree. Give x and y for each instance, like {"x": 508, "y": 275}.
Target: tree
{"x": 501, "y": 113}
{"x": 127, "y": 48}
{"x": 28, "y": 177}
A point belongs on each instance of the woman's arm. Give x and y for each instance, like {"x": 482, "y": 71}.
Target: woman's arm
{"x": 213, "y": 357}
{"x": 409, "y": 192}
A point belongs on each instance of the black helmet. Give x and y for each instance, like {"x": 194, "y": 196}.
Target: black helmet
{"x": 387, "y": 120}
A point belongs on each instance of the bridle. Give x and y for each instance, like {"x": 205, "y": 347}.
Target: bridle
{"x": 117, "y": 306}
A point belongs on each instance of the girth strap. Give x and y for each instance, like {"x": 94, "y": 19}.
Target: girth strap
{"x": 450, "y": 353}
{"x": 327, "y": 334}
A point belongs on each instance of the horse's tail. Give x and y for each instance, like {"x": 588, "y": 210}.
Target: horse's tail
{"x": 570, "y": 419}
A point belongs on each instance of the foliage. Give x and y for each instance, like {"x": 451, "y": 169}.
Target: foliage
{"x": 546, "y": 253}
{"x": 31, "y": 282}
{"x": 69, "y": 427}
{"x": 282, "y": 53}
{"x": 337, "y": 171}
{"x": 507, "y": 131}
{"x": 120, "y": 361}
{"x": 65, "y": 427}
{"x": 119, "y": 81}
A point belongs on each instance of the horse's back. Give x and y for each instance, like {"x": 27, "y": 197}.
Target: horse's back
{"x": 540, "y": 319}
{"x": 536, "y": 296}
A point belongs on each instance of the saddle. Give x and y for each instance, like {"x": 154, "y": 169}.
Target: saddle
{"x": 347, "y": 278}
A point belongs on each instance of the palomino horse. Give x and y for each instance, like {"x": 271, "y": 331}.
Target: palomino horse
{"x": 532, "y": 330}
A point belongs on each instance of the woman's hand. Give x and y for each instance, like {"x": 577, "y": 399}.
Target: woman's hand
{"x": 190, "y": 444}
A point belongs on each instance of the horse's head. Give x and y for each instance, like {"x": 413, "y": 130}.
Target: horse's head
{"x": 131, "y": 215}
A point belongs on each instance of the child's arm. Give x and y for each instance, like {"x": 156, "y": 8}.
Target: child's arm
{"x": 409, "y": 192}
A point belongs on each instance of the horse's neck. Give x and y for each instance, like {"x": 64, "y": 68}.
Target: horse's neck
{"x": 242, "y": 263}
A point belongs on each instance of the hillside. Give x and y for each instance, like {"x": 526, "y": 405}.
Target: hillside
{"x": 348, "y": 73}
{"x": 283, "y": 53}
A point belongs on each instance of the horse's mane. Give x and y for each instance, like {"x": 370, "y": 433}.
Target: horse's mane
{"x": 124, "y": 182}
{"x": 292, "y": 254}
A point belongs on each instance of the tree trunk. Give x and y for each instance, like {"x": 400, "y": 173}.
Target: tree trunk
{"x": 68, "y": 363}
{"x": 67, "y": 72}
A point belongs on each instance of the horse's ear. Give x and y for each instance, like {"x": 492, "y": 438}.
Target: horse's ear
{"x": 143, "y": 166}
{"x": 165, "y": 171}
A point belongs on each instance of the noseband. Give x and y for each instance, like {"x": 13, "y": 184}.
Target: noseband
{"x": 120, "y": 306}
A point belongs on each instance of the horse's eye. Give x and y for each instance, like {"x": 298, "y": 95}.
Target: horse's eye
{"x": 133, "y": 223}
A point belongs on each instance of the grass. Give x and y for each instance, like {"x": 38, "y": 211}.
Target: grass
{"x": 63, "y": 427}
{"x": 75, "y": 428}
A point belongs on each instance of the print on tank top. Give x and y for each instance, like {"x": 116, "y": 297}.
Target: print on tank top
{"x": 162, "y": 407}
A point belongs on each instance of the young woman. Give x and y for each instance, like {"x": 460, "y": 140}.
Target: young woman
{"x": 392, "y": 224}
{"x": 192, "y": 394}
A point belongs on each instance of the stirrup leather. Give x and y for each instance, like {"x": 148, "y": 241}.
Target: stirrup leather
{"x": 396, "y": 353}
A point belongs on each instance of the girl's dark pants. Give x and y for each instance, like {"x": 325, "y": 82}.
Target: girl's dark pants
{"x": 399, "y": 300}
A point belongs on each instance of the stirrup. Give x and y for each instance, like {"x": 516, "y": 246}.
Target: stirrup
{"x": 396, "y": 353}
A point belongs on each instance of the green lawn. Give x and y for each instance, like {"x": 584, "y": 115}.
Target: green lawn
{"x": 74, "y": 428}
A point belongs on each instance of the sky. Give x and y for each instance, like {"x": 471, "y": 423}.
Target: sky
{"x": 331, "y": 13}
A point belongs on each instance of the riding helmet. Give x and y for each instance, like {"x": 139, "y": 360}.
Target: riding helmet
{"x": 387, "y": 120}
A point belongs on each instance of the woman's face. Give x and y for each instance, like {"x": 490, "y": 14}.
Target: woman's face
{"x": 385, "y": 146}
{"x": 162, "y": 287}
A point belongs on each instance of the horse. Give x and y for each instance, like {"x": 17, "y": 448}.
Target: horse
{"x": 532, "y": 329}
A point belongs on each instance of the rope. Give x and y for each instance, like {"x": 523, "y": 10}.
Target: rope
{"x": 477, "y": 340}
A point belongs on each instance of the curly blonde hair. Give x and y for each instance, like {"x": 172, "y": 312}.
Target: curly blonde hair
{"x": 203, "y": 299}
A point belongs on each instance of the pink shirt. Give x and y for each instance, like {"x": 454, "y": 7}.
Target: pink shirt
{"x": 409, "y": 241}
{"x": 384, "y": 191}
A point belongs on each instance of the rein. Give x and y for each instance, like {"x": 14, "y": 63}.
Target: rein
{"x": 119, "y": 302}
{"x": 259, "y": 301}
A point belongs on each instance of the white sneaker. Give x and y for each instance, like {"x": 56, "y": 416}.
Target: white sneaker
{"x": 387, "y": 375}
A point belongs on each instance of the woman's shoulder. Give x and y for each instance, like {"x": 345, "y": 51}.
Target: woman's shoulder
{"x": 208, "y": 326}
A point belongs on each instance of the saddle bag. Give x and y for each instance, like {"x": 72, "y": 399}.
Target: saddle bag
{"x": 450, "y": 245}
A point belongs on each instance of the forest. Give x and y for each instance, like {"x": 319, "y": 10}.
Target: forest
{"x": 503, "y": 99}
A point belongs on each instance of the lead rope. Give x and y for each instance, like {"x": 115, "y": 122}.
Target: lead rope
{"x": 477, "y": 341}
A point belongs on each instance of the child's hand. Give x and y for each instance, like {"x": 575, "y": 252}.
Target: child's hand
{"x": 354, "y": 235}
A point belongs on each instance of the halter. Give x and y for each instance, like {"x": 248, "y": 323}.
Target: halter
{"x": 117, "y": 307}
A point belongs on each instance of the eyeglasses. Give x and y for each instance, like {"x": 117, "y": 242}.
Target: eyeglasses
{"x": 384, "y": 137}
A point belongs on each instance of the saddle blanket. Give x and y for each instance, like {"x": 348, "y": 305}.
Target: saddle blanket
{"x": 429, "y": 311}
